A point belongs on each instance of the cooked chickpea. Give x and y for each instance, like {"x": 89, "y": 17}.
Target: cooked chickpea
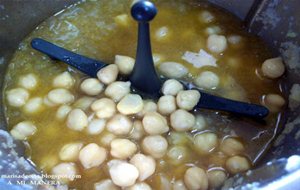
{"x": 91, "y": 86}
{"x": 63, "y": 111}
{"x": 200, "y": 123}
{"x": 105, "y": 184}
{"x": 96, "y": 126}
{"x": 77, "y": 120}
{"x": 177, "y": 154}
{"x": 33, "y": 105}
{"x": 122, "y": 173}
{"x": 171, "y": 87}
{"x": 187, "y": 99}
{"x": 48, "y": 103}
{"x": 117, "y": 90}
{"x": 217, "y": 159}
{"x": 216, "y": 178}
{"x": 179, "y": 185}
{"x": 206, "y": 142}
{"x": 274, "y": 102}
{"x": 130, "y": 104}
{"x": 70, "y": 152}
{"x": 17, "y": 97}
{"x": 104, "y": 108}
{"x": 196, "y": 179}
{"x": 139, "y": 186}
{"x": 63, "y": 80}
{"x": 84, "y": 103}
{"x": 155, "y": 124}
{"x": 108, "y": 74}
{"x": 207, "y": 80}
{"x": 60, "y": 96}
{"x": 66, "y": 171}
{"x": 162, "y": 33}
{"x": 122, "y": 148}
{"x": 178, "y": 138}
{"x": 92, "y": 155}
{"x": 106, "y": 139}
{"x": 234, "y": 39}
{"x": 125, "y": 64}
{"x": 122, "y": 20}
{"x": 23, "y": 130}
{"x": 217, "y": 43}
{"x": 273, "y": 68}
{"x": 138, "y": 130}
{"x": 182, "y": 120}
{"x": 173, "y": 69}
{"x": 232, "y": 146}
{"x": 166, "y": 104}
{"x": 149, "y": 106}
{"x": 119, "y": 125}
{"x": 145, "y": 165}
{"x": 213, "y": 30}
{"x": 29, "y": 81}
{"x": 155, "y": 145}
{"x": 237, "y": 164}
{"x": 206, "y": 17}
{"x": 157, "y": 58}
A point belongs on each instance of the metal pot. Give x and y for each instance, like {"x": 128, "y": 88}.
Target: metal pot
{"x": 277, "y": 22}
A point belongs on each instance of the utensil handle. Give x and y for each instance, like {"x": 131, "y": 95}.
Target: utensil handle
{"x": 84, "y": 64}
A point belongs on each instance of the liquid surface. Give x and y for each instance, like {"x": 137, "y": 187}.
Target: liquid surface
{"x": 90, "y": 29}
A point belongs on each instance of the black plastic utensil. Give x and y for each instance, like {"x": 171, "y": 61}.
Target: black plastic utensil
{"x": 144, "y": 77}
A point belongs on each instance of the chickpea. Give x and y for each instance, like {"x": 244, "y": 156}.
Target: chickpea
{"x": 96, "y": 126}
{"x": 155, "y": 124}
{"x": 200, "y": 123}
{"x": 145, "y": 165}
{"x": 237, "y": 164}
{"x": 70, "y": 152}
{"x": 119, "y": 125}
{"x": 122, "y": 20}
{"x": 207, "y": 80}
{"x": 130, "y": 104}
{"x": 77, "y": 120}
{"x": 117, "y": 90}
{"x": 162, "y": 34}
{"x": 166, "y": 104}
{"x": 138, "y": 131}
{"x": 149, "y": 106}
{"x": 84, "y": 103}
{"x": 216, "y": 178}
{"x": 23, "y": 130}
{"x": 29, "y": 81}
{"x": 33, "y": 105}
{"x": 108, "y": 74}
{"x": 177, "y": 154}
{"x": 206, "y": 17}
{"x": 63, "y": 111}
{"x": 178, "y": 138}
{"x": 274, "y": 102}
{"x": 155, "y": 145}
{"x": 125, "y": 64}
{"x": 48, "y": 103}
{"x": 157, "y": 58}
{"x": 17, "y": 97}
{"x": 91, "y": 86}
{"x": 139, "y": 186}
{"x": 60, "y": 96}
{"x": 105, "y": 184}
{"x": 273, "y": 68}
{"x": 171, "y": 87}
{"x": 232, "y": 146}
{"x": 162, "y": 182}
{"x": 104, "y": 108}
{"x": 92, "y": 155}
{"x": 217, "y": 159}
{"x": 182, "y": 120}
{"x": 122, "y": 148}
{"x": 122, "y": 173}
{"x": 107, "y": 138}
{"x": 234, "y": 39}
{"x": 187, "y": 99}
{"x": 213, "y": 30}
{"x": 63, "y": 80}
{"x": 206, "y": 142}
{"x": 195, "y": 178}
{"x": 179, "y": 185}
{"x": 217, "y": 43}
{"x": 66, "y": 171}
{"x": 173, "y": 69}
